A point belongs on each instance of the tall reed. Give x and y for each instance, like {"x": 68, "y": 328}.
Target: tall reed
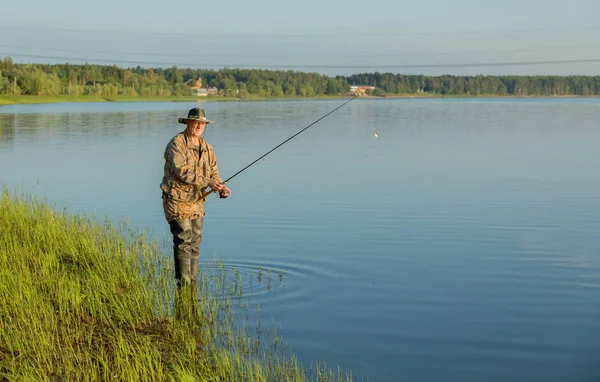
{"x": 89, "y": 300}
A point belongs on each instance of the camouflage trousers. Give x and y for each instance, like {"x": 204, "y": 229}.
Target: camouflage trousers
{"x": 187, "y": 235}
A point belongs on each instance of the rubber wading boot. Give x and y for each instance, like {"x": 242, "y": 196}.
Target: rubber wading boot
{"x": 183, "y": 272}
{"x": 193, "y": 270}
{"x": 195, "y": 241}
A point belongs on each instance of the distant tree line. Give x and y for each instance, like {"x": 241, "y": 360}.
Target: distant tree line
{"x": 387, "y": 83}
{"x": 106, "y": 80}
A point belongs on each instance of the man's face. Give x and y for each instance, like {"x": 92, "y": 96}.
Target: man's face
{"x": 195, "y": 128}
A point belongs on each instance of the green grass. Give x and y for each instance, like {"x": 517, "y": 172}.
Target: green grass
{"x": 26, "y": 99}
{"x": 89, "y": 300}
{"x": 166, "y": 99}
{"x": 30, "y": 99}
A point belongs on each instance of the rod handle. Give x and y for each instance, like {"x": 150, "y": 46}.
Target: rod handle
{"x": 204, "y": 196}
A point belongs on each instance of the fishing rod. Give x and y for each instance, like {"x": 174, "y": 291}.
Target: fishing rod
{"x": 279, "y": 145}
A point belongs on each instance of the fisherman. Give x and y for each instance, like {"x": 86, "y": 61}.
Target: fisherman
{"x": 190, "y": 168}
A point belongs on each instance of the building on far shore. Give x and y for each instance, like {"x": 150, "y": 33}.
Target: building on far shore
{"x": 200, "y": 91}
{"x": 359, "y": 91}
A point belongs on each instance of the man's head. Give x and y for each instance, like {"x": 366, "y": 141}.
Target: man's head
{"x": 196, "y": 122}
{"x": 195, "y": 128}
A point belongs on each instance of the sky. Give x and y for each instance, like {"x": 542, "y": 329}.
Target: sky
{"x": 431, "y": 37}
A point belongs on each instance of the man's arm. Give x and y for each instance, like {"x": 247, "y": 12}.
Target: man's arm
{"x": 213, "y": 167}
{"x": 216, "y": 177}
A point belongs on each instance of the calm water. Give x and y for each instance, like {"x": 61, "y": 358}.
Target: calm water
{"x": 462, "y": 245}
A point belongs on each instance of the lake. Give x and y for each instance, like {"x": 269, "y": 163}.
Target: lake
{"x": 461, "y": 244}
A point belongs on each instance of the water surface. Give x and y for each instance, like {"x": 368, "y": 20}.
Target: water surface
{"x": 462, "y": 245}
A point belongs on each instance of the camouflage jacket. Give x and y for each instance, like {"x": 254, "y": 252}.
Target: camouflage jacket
{"x": 187, "y": 171}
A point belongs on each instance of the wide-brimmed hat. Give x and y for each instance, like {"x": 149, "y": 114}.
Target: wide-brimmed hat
{"x": 195, "y": 114}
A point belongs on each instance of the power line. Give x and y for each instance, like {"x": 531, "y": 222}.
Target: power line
{"x": 105, "y": 60}
{"x": 403, "y": 54}
{"x": 342, "y": 31}
{"x": 280, "y": 66}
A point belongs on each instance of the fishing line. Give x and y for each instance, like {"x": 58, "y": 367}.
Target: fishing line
{"x": 279, "y": 145}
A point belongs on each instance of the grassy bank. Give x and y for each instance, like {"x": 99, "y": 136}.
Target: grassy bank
{"x": 13, "y": 100}
{"x": 26, "y": 99}
{"x": 89, "y": 301}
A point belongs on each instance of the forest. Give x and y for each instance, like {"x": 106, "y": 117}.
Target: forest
{"x": 112, "y": 80}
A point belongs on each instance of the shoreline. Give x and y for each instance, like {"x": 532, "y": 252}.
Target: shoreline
{"x": 29, "y": 99}
{"x": 87, "y": 298}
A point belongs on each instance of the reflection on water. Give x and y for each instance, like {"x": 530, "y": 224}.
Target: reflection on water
{"x": 460, "y": 245}
{"x": 8, "y": 123}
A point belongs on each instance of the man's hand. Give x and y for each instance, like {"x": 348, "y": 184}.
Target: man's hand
{"x": 221, "y": 188}
{"x": 215, "y": 185}
{"x": 225, "y": 192}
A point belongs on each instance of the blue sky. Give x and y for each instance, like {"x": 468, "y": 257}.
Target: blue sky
{"x": 327, "y": 36}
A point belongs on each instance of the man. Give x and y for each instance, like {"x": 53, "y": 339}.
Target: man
{"x": 190, "y": 168}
